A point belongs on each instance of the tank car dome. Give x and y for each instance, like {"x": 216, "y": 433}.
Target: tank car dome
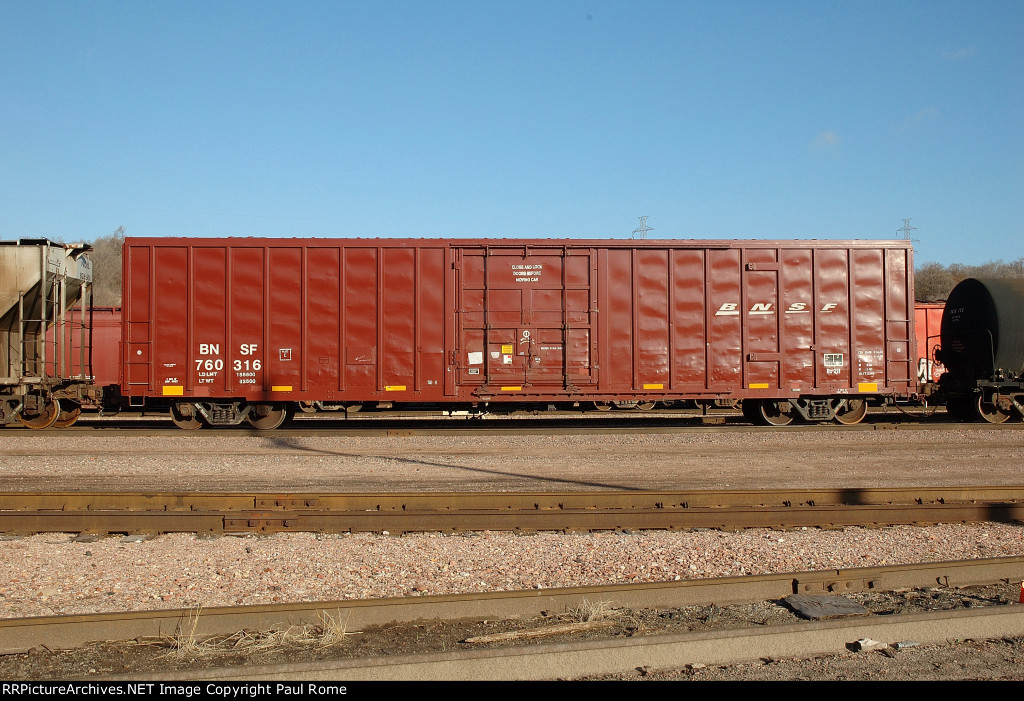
{"x": 983, "y": 327}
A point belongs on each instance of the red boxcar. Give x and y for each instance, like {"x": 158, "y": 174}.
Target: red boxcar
{"x": 231, "y": 329}
{"x": 927, "y": 325}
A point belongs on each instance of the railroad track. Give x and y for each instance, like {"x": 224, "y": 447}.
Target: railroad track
{"x": 405, "y": 423}
{"x": 888, "y": 415}
{"x": 208, "y": 512}
{"x": 559, "y": 660}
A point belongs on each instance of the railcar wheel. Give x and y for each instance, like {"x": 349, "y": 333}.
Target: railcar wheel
{"x": 603, "y": 406}
{"x": 184, "y": 416}
{"x": 776, "y": 412}
{"x": 68, "y": 417}
{"x": 43, "y": 419}
{"x": 644, "y": 406}
{"x": 991, "y": 412}
{"x": 267, "y": 417}
{"x": 853, "y": 412}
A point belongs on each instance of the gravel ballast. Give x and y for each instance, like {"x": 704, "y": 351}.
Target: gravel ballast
{"x": 60, "y": 574}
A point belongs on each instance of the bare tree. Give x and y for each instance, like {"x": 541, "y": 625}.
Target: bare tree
{"x": 106, "y": 260}
{"x": 934, "y": 282}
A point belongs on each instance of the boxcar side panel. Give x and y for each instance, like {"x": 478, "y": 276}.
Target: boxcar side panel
{"x": 208, "y": 330}
{"x": 432, "y": 314}
{"x": 899, "y": 318}
{"x": 285, "y": 317}
{"x": 172, "y": 298}
{"x": 246, "y": 294}
{"x": 616, "y": 331}
{"x": 832, "y": 317}
{"x": 323, "y": 340}
{"x": 408, "y": 321}
{"x": 361, "y": 320}
{"x": 136, "y": 316}
{"x": 651, "y": 317}
{"x": 398, "y": 337}
{"x": 761, "y": 358}
{"x": 867, "y": 319}
{"x": 798, "y": 310}
{"x": 725, "y": 333}
{"x": 688, "y": 321}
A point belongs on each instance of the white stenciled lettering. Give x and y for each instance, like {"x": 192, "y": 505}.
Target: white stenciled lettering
{"x": 527, "y": 273}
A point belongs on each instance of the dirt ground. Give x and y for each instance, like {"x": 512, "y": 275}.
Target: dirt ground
{"x": 959, "y": 660}
{"x": 692, "y": 457}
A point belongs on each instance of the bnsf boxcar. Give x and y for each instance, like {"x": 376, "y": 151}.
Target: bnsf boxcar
{"x": 231, "y": 330}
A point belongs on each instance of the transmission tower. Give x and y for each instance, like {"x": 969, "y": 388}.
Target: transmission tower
{"x": 643, "y": 228}
{"x": 906, "y": 229}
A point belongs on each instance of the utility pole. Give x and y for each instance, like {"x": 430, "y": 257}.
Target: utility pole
{"x": 643, "y": 228}
{"x": 906, "y": 229}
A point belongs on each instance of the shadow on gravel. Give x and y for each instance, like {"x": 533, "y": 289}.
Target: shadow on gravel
{"x": 292, "y": 444}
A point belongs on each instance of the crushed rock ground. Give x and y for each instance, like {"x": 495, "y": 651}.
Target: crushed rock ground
{"x": 957, "y": 660}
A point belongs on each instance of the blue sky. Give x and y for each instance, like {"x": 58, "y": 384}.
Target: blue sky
{"x": 770, "y": 119}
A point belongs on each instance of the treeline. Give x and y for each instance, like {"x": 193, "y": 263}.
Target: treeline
{"x": 933, "y": 282}
{"x": 106, "y": 269}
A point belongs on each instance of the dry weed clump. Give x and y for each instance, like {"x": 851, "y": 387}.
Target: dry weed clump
{"x": 587, "y": 612}
{"x": 186, "y": 644}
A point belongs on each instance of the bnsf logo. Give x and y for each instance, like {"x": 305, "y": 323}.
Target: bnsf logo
{"x": 762, "y": 308}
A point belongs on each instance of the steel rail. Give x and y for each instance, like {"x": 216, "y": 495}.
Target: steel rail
{"x": 405, "y": 424}
{"x": 80, "y": 512}
{"x": 65, "y": 632}
{"x": 568, "y": 661}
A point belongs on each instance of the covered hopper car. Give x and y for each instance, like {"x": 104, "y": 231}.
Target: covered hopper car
{"x": 239, "y": 330}
{"x": 44, "y": 294}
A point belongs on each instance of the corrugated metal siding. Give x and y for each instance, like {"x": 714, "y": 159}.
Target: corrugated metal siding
{"x": 405, "y": 320}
